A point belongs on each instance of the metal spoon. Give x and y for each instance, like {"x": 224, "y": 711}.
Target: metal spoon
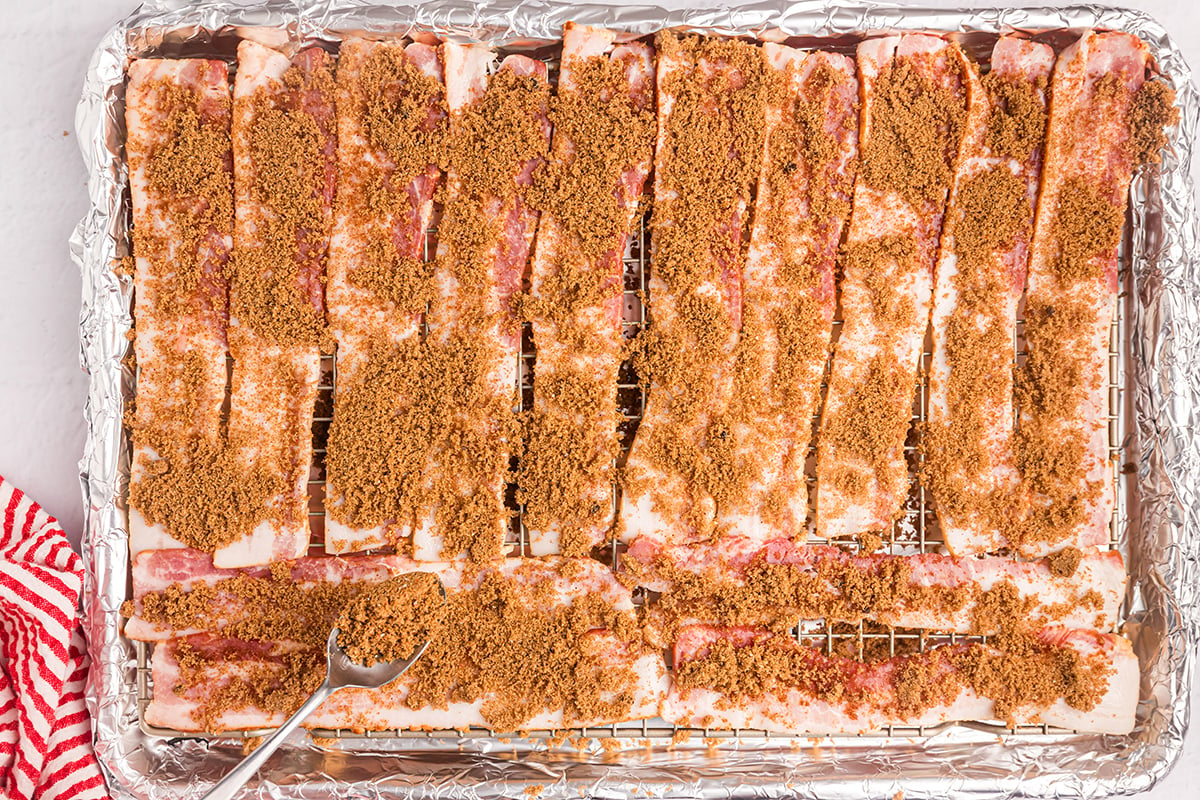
{"x": 340, "y": 673}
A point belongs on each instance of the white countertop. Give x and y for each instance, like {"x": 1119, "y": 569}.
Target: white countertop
{"x": 44, "y": 49}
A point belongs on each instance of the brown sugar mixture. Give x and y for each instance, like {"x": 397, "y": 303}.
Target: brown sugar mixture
{"x": 191, "y": 173}
{"x": 277, "y": 285}
{"x": 1016, "y": 124}
{"x": 1060, "y": 371}
{"x": 784, "y": 340}
{"x": 390, "y": 620}
{"x": 403, "y": 114}
{"x": 571, "y": 440}
{"x": 275, "y": 687}
{"x": 991, "y": 214}
{"x": 1018, "y": 673}
{"x": 915, "y": 130}
{"x": 1153, "y": 111}
{"x": 777, "y": 596}
{"x": 707, "y": 169}
{"x": 513, "y": 645}
{"x": 267, "y": 608}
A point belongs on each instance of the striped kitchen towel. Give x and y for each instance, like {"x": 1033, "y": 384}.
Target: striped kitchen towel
{"x": 45, "y": 733}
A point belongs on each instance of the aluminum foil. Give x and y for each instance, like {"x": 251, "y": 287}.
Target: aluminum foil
{"x": 1161, "y": 538}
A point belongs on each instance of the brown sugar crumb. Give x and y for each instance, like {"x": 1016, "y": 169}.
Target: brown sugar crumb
{"x": 571, "y": 439}
{"x": 273, "y": 687}
{"x": 1048, "y": 388}
{"x": 1017, "y": 673}
{"x": 277, "y": 289}
{"x": 869, "y": 542}
{"x": 386, "y": 426}
{"x": 990, "y": 213}
{"x": 708, "y": 166}
{"x": 610, "y": 130}
{"x": 871, "y": 425}
{"x": 510, "y": 644}
{"x": 254, "y": 608}
{"x": 563, "y": 460}
{"x": 404, "y": 116}
{"x": 1001, "y": 608}
{"x": 390, "y": 620}
{"x": 777, "y": 595}
{"x": 198, "y": 490}
{"x": 403, "y": 110}
{"x": 1016, "y": 123}
{"x": 191, "y": 172}
{"x": 1087, "y": 225}
{"x": 993, "y": 208}
{"x": 1065, "y": 562}
{"x": 1022, "y": 673}
{"x": 874, "y": 262}
{"x": 915, "y": 130}
{"x": 1153, "y": 111}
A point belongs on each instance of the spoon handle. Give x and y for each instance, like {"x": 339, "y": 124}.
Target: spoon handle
{"x": 232, "y": 783}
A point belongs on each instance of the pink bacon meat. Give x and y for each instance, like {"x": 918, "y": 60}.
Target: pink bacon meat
{"x": 371, "y": 316}
{"x": 278, "y": 308}
{"x": 969, "y": 445}
{"x": 788, "y": 281}
{"x": 1062, "y": 389}
{"x": 844, "y": 696}
{"x": 707, "y": 159}
{"x": 576, "y": 293}
{"x": 180, "y": 346}
{"x": 930, "y": 591}
{"x": 862, "y": 476}
{"x": 556, "y": 583}
{"x": 462, "y": 309}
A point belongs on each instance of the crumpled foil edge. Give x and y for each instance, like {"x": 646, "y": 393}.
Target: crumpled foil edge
{"x": 1163, "y": 552}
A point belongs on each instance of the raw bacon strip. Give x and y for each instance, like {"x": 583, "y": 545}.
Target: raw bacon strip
{"x": 500, "y": 135}
{"x": 218, "y": 669}
{"x": 711, "y": 105}
{"x": 970, "y": 463}
{"x": 1062, "y": 389}
{"x": 580, "y": 606}
{"x": 183, "y": 224}
{"x": 605, "y": 100}
{"x": 810, "y": 692}
{"x": 801, "y": 206}
{"x": 741, "y": 581}
{"x": 243, "y": 597}
{"x": 914, "y": 99}
{"x": 391, "y": 121}
{"x": 284, "y": 174}
{"x": 361, "y": 710}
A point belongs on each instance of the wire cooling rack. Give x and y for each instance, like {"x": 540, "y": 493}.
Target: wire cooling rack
{"x": 915, "y": 532}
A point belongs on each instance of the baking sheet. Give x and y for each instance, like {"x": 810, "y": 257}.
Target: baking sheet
{"x": 1159, "y": 536}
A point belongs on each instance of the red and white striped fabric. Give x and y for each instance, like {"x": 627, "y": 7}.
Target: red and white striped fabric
{"x": 45, "y": 733}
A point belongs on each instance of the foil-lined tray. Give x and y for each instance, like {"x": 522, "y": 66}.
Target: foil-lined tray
{"x": 1159, "y": 533}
